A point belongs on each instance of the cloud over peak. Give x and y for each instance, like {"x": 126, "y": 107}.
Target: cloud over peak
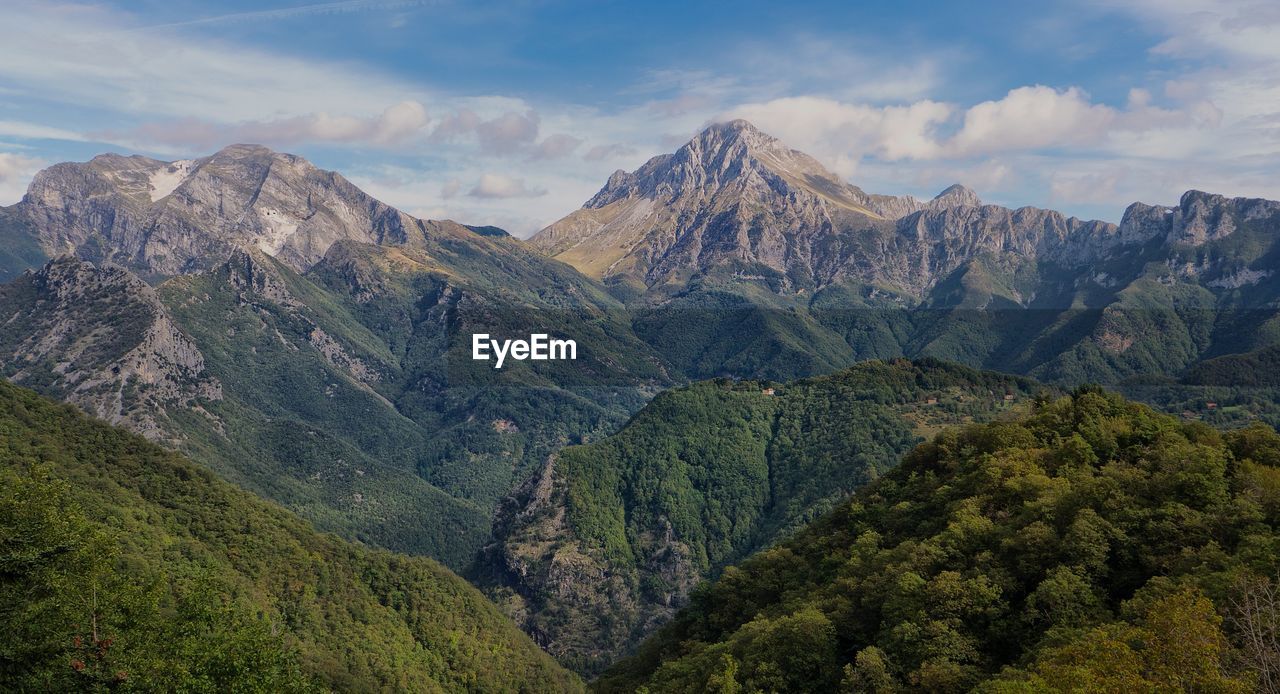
{"x": 503, "y": 134}
{"x": 499, "y": 186}
{"x": 1025, "y": 119}
{"x": 395, "y": 125}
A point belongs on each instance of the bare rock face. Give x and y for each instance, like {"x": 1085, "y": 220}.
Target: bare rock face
{"x": 731, "y": 194}
{"x": 736, "y": 198}
{"x": 935, "y": 242}
{"x": 954, "y": 196}
{"x": 101, "y": 337}
{"x": 169, "y": 218}
{"x": 739, "y": 200}
{"x": 1197, "y": 219}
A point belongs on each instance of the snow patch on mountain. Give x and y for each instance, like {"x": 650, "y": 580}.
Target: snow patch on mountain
{"x": 166, "y": 180}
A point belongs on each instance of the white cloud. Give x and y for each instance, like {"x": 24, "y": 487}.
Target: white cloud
{"x": 508, "y": 131}
{"x": 392, "y": 127}
{"x": 820, "y": 64}
{"x": 501, "y": 186}
{"x": 16, "y": 171}
{"x": 505, "y": 133}
{"x": 555, "y": 147}
{"x": 609, "y": 152}
{"x": 16, "y": 165}
{"x": 1026, "y": 119}
{"x": 86, "y": 55}
{"x": 1032, "y": 118}
{"x": 9, "y": 128}
{"x": 844, "y": 133}
{"x": 1087, "y": 186}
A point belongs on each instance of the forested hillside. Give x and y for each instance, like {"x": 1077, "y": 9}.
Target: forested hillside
{"x": 123, "y": 566}
{"x": 1095, "y": 545}
{"x": 606, "y": 543}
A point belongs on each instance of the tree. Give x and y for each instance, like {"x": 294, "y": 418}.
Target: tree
{"x": 726, "y": 680}
{"x": 1254, "y": 617}
{"x": 48, "y": 552}
{"x": 870, "y": 673}
{"x": 1179, "y": 647}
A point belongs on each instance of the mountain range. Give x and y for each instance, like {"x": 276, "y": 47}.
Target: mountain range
{"x": 283, "y": 343}
{"x": 736, "y": 199}
{"x": 312, "y": 344}
{"x": 737, "y": 221}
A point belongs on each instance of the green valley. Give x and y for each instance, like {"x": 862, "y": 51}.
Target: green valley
{"x": 608, "y": 540}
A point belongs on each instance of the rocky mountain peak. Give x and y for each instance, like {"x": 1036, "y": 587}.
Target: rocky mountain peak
{"x": 167, "y": 218}
{"x": 732, "y": 195}
{"x": 956, "y": 195}
{"x": 249, "y": 150}
{"x": 1197, "y": 219}
{"x": 737, "y": 127}
{"x": 734, "y": 156}
{"x": 737, "y": 133}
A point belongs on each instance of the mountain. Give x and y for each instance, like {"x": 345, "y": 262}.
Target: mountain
{"x": 328, "y": 367}
{"x": 174, "y": 217}
{"x": 313, "y": 345}
{"x": 741, "y": 256}
{"x": 602, "y": 545}
{"x": 103, "y": 340}
{"x": 954, "y": 195}
{"x": 127, "y": 566}
{"x": 1093, "y": 545}
{"x": 735, "y": 199}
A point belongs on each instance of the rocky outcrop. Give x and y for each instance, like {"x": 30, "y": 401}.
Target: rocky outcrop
{"x": 1197, "y": 219}
{"x": 579, "y": 607}
{"x": 100, "y": 338}
{"x": 169, "y": 218}
{"x": 256, "y": 282}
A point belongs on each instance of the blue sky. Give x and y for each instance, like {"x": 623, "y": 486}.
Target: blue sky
{"x": 514, "y": 113}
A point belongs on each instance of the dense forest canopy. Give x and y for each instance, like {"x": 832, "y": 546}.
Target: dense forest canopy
{"x": 1094, "y": 545}
{"x": 123, "y": 566}
{"x": 603, "y": 546}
